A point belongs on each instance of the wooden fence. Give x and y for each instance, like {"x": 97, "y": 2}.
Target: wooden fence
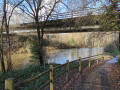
{"x": 10, "y": 85}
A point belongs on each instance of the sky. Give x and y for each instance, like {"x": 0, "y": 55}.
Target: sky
{"x": 60, "y": 8}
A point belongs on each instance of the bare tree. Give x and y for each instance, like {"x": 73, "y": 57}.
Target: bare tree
{"x": 6, "y": 19}
{"x": 36, "y": 9}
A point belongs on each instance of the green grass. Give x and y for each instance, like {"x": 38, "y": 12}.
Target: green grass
{"x": 115, "y": 52}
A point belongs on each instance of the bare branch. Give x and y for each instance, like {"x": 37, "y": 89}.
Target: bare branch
{"x": 13, "y": 10}
{"x": 28, "y": 2}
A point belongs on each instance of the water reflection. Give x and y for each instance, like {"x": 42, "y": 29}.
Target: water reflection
{"x": 23, "y": 60}
{"x": 73, "y": 54}
{"x": 19, "y": 61}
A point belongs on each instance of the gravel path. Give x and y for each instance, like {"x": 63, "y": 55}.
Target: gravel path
{"x": 99, "y": 78}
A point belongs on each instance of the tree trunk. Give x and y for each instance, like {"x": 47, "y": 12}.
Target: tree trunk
{"x": 1, "y": 55}
{"x": 119, "y": 38}
{"x": 9, "y": 65}
{"x": 119, "y": 50}
{"x": 41, "y": 52}
{"x": 40, "y": 42}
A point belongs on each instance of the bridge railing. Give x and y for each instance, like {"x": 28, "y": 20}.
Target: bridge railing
{"x": 66, "y": 15}
{"x": 10, "y": 85}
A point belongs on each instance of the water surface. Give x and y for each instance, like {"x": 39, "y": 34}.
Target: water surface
{"x": 113, "y": 61}
{"x": 73, "y": 54}
{"x": 59, "y": 57}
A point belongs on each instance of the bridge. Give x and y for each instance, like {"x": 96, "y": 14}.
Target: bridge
{"x": 60, "y": 30}
{"x": 75, "y": 21}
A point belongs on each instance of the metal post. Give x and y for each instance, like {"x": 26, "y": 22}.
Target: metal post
{"x": 72, "y": 14}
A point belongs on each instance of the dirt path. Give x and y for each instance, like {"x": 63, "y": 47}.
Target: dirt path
{"x": 99, "y": 78}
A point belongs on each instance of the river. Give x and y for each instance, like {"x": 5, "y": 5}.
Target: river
{"x": 73, "y": 54}
{"x": 59, "y": 57}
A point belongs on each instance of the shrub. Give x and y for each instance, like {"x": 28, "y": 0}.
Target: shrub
{"x": 110, "y": 48}
{"x": 35, "y": 50}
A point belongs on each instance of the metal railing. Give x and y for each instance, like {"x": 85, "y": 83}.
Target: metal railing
{"x": 66, "y": 15}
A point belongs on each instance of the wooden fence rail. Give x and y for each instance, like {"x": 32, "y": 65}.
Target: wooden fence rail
{"x": 31, "y": 79}
{"x": 10, "y": 85}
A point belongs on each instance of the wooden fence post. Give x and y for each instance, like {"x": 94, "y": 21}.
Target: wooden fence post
{"x": 51, "y": 77}
{"x": 72, "y": 14}
{"x": 67, "y": 68}
{"x": 89, "y": 62}
{"x": 80, "y": 64}
{"x": 9, "y": 84}
{"x": 97, "y": 59}
{"x": 103, "y": 56}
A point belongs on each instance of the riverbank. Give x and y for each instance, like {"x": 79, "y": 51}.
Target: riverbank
{"x": 22, "y": 74}
{"x": 63, "y": 41}
{"x": 78, "y": 40}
